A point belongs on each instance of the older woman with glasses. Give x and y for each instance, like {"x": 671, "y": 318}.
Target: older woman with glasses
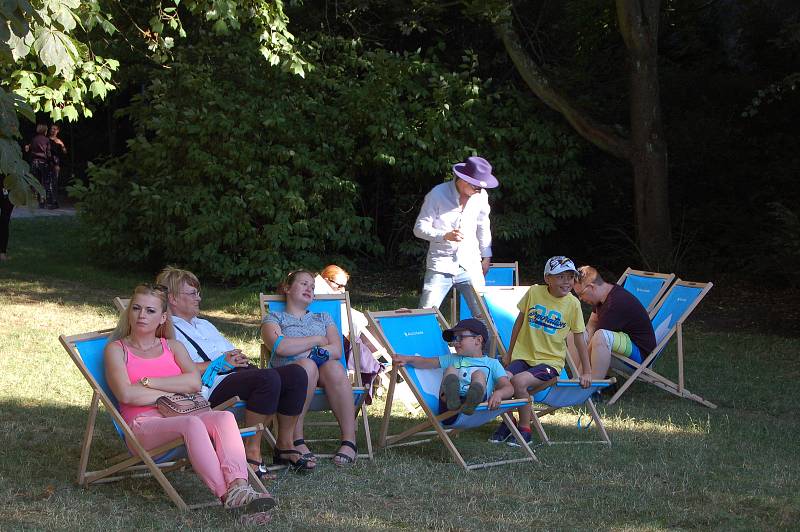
{"x": 269, "y": 393}
{"x": 143, "y": 361}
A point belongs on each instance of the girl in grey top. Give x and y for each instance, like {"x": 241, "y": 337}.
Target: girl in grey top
{"x": 290, "y": 335}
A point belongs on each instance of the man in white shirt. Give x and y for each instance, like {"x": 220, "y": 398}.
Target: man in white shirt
{"x": 268, "y": 393}
{"x": 455, "y": 220}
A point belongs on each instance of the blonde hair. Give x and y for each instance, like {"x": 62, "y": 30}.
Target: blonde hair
{"x": 332, "y": 270}
{"x": 165, "y": 330}
{"x": 173, "y": 278}
{"x": 589, "y": 275}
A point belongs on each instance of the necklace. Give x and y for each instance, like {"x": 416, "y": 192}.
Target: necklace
{"x": 140, "y": 348}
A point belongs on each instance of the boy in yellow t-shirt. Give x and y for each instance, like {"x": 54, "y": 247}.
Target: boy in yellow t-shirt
{"x": 538, "y": 347}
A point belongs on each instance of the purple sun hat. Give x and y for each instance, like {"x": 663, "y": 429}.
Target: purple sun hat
{"x": 477, "y": 172}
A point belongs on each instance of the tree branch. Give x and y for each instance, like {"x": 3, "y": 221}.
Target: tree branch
{"x": 601, "y": 135}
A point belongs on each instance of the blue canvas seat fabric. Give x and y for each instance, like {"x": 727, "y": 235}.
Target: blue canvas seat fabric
{"x": 672, "y": 310}
{"x": 87, "y": 352}
{"x": 420, "y": 332}
{"x": 500, "y": 305}
{"x": 648, "y": 287}
{"x": 337, "y": 306}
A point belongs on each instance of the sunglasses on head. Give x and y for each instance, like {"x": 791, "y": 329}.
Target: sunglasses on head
{"x": 155, "y": 287}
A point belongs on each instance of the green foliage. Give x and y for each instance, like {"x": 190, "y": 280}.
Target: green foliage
{"x": 260, "y": 171}
{"x": 48, "y": 64}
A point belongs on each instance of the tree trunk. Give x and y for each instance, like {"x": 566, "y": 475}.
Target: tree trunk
{"x": 646, "y": 150}
{"x": 638, "y": 21}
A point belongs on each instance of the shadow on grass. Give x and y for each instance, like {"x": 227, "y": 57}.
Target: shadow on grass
{"x": 664, "y": 459}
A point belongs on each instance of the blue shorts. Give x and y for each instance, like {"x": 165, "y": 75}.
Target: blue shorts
{"x": 620, "y": 343}
{"x": 542, "y": 372}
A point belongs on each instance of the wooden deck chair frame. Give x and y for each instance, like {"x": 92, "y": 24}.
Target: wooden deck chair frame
{"x": 434, "y": 421}
{"x": 654, "y": 298}
{"x": 359, "y": 390}
{"x": 455, "y": 304}
{"x": 644, "y": 372}
{"x": 539, "y": 411}
{"x": 121, "y": 303}
{"x": 126, "y": 465}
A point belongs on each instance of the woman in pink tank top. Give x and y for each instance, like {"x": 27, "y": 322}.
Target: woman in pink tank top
{"x": 143, "y": 361}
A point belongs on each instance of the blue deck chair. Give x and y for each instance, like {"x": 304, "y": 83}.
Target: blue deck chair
{"x": 648, "y": 287}
{"x": 86, "y": 351}
{"x": 420, "y": 331}
{"x": 499, "y": 274}
{"x": 667, "y": 319}
{"x": 500, "y": 305}
{"x": 338, "y": 307}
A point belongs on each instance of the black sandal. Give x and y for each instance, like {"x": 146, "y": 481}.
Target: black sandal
{"x": 311, "y": 457}
{"x": 301, "y": 465}
{"x": 261, "y": 470}
{"x": 344, "y": 459}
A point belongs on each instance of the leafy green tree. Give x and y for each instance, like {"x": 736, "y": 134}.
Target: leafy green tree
{"x": 261, "y": 171}
{"x": 49, "y": 62}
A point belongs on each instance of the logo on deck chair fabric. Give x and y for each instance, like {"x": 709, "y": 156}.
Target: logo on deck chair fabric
{"x": 548, "y": 321}
{"x": 413, "y": 333}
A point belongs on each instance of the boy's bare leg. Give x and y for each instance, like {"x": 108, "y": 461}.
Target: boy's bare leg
{"x": 522, "y": 382}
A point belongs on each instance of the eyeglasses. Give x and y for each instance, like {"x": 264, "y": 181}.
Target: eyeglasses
{"x": 460, "y": 337}
{"x": 585, "y": 288}
{"x": 192, "y": 293}
{"x": 336, "y": 285}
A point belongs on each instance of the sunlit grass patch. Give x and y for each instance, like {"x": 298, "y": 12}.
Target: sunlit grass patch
{"x": 672, "y": 464}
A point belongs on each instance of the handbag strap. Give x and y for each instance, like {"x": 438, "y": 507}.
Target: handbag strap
{"x": 199, "y": 349}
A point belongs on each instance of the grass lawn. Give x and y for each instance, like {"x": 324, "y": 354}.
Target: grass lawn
{"x": 673, "y": 464}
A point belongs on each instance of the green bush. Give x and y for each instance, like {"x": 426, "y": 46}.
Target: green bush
{"x": 240, "y": 171}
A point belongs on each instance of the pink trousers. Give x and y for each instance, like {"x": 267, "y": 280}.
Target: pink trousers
{"x": 212, "y": 439}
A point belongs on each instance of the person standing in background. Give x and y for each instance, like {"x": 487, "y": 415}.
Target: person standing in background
{"x": 40, "y": 159}
{"x": 455, "y": 220}
{"x": 5, "y": 220}
{"x": 57, "y": 152}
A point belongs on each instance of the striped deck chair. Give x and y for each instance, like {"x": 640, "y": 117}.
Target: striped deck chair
{"x": 420, "y": 331}
{"x": 86, "y": 351}
{"x": 667, "y": 319}
{"x": 338, "y": 306}
{"x": 500, "y": 305}
{"x": 648, "y": 287}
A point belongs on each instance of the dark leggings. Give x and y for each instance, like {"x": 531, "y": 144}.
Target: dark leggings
{"x": 5, "y": 219}
{"x": 266, "y": 390}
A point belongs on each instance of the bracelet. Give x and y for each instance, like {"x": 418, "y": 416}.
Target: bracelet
{"x": 276, "y": 344}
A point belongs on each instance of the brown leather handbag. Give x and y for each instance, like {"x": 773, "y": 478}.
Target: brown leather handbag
{"x": 182, "y": 404}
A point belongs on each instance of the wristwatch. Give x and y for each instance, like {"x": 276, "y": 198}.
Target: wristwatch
{"x": 145, "y": 381}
